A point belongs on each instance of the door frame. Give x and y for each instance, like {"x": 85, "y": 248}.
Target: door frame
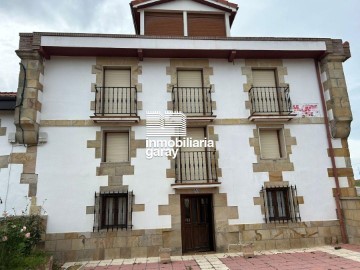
{"x": 212, "y": 244}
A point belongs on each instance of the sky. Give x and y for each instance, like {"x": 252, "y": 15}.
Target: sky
{"x": 265, "y": 18}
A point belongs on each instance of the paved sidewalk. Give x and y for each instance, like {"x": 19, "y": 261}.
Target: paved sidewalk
{"x": 319, "y": 258}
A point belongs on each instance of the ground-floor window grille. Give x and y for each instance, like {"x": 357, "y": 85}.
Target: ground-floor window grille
{"x": 113, "y": 211}
{"x": 281, "y": 204}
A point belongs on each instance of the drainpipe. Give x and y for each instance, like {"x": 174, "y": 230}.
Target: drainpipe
{"x": 332, "y": 157}
{"x": 21, "y": 103}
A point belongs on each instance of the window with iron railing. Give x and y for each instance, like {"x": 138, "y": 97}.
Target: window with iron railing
{"x": 190, "y": 96}
{"x": 192, "y": 101}
{"x": 270, "y": 100}
{"x": 115, "y": 101}
{"x": 196, "y": 166}
{"x": 113, "y": 211}
{"x": 281, "y": 204}
{"x": 266, "y": 97}
{"x": 116, "y": 97}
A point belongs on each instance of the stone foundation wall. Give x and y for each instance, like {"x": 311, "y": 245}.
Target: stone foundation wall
{"x": 291, "y": 235}
{"x": 146, "y": 243}
{"x": 82, "y": 246}
{"x": 351, "y": 210}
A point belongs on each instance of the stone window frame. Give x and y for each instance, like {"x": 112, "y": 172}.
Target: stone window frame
{"x": 132, "y": 64}
{"x": 106, "y": 130}
{"x": 189, "y": 64}
{"x": 282, "y": 142}
{"x": 263, "y": 64}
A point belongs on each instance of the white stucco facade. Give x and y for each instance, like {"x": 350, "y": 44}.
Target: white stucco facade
{"x": 66, "y": 168}
{"x": 14, "y": 196}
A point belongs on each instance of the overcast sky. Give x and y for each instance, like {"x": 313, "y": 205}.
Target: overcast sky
{"x": 279, "y": 18}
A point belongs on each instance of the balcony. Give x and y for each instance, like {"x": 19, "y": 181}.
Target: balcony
{"x": 194, "y": 102}
{"x": 270, "y": 103}
{"x": 115, "y": 104}
{"x": 196, "y": 168}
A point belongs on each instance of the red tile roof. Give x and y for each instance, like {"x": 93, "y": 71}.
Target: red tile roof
{"x": 7, "y": 94}
{"x": 233, "y": 5}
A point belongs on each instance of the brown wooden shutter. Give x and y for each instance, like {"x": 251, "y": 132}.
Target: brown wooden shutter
{"x": 269, "y": 144}
{"x": 264, "y": 78}
{"x": 117, "y": 78}
{"x": 117, "y": 147}
{"x": 206, "y": 25}
{"x": 164, "y": 24}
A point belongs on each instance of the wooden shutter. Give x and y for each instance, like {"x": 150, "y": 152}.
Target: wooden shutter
{"x": 117, "y": 78}
{"x": 117, "y": 147}
{"x": 269, "y": 144}
{"x": 206, "y": 25}
{"x": 164, "y": 24}
{"x": 264, "y": 78}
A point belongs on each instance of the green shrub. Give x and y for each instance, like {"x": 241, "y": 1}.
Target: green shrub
{"x": 19, "y": 236}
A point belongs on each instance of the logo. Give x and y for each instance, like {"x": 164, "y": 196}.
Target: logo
{"x": 168, "y": 124}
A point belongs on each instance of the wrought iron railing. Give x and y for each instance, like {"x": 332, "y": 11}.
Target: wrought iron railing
{"x": 113, "y": 211}
{"x": 192, "y": 101}
{"x": 112, "y": 101}
{"x": 193, "y": 166}
{"x": 281, "y": 204}
{"x": 270, "y": 100}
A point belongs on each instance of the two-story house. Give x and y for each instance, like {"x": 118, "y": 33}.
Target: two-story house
{"x": 276, "y": 109}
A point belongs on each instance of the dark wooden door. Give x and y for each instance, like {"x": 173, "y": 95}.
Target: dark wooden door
{"x": 197, "y": 223}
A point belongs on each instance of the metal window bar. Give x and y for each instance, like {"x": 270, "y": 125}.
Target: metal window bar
{"x": 193, "y": 101}
{"x": 196, "y": 166}
{"x": 112, "y": 101}
{"x": 280, "y": 210}
{"x": 113, "y": 211}
{"x": 270, "y": 100}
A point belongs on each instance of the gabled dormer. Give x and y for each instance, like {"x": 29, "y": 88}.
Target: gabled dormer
{"x": 193, "y": 18}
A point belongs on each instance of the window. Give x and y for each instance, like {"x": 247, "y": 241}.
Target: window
{"x": 116, "y": 147}
{"x": 190, "y": 96}
{"x": 272, "y": 143}
{"x": 113, "y": 210}
{"x": 117, "y": 95}
{"x": 281, "y": 204}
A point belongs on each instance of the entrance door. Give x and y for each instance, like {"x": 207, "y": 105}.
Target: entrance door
{"x": 197, "y": 223}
